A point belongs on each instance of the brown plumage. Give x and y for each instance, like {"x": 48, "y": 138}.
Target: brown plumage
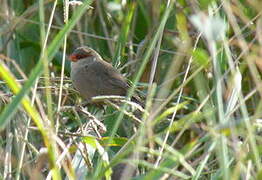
{"x": 92, "y": 76}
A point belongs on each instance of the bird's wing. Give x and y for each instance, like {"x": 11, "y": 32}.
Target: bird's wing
{"x": 110, "y": 79}
{"x": 116, "y": 79}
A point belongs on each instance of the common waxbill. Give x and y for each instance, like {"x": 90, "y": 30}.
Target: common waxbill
{"x": 92, "y": 76}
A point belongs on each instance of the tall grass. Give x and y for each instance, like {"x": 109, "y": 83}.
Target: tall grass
{"x": 195, "y": 65}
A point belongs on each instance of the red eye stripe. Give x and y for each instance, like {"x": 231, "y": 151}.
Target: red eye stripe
{"x": 75, "y": 57}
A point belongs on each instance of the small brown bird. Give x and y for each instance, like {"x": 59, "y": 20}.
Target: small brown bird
{"x": 92, "y": 76}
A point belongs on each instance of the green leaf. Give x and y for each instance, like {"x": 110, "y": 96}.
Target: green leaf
{"x": 201, "y": 57}
{"x": 170, "y": 111}
{"x": 116, "y": 141}
{"x": 92, "y": 141}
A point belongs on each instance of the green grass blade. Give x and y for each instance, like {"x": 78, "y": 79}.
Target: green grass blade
{"x": 124, "y": 35}
{"x": 9, "y": 111}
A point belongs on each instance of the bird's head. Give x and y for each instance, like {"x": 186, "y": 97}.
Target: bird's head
{"x": 83, "y": 53}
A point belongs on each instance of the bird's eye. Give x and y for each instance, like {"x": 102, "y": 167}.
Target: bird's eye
{"x": 76, "y": 57}
{"x": 80, "y": 56}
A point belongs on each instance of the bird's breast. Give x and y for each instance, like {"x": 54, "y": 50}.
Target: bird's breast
{"x": 82, "y": 80}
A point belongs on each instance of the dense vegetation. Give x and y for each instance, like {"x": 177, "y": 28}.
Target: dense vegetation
{"x": 195, "y": 64}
